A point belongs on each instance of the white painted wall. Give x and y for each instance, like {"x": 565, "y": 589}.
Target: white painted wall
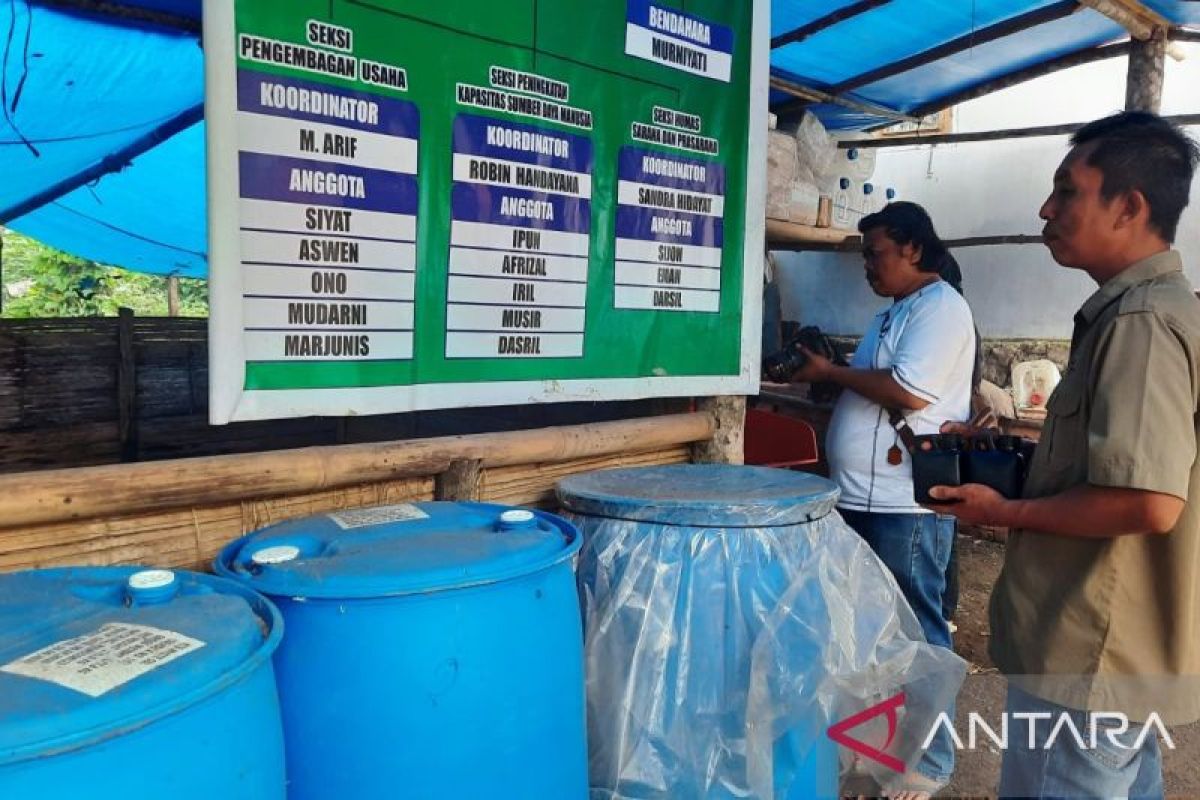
{"x": 994, "y": 188}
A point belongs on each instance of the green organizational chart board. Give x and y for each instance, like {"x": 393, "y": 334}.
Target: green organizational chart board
{"x": 418, "y": 204}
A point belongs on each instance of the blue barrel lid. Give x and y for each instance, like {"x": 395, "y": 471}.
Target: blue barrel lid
{"x": 398, "y": 549}
{"x": 92, "y": 652}
{"x": 708, "y": 495}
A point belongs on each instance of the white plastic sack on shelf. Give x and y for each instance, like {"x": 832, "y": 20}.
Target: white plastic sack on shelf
{"x": 805, "y": 203}
{"x": 781, "y": 159}
{"x": 816, "y": 148}
{"x": 797, "y": 203}
{"x": 790, "y": 194}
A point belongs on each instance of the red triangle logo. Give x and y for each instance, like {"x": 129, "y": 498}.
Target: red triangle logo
{"x": 838, "y": 732}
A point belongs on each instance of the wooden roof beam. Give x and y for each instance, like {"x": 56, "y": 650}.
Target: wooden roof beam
{"x": 808, "y": 95}
{"x": 1077, "y": 58}
{"x": 1000, "y": 30}
{"x": 1085, "y": 55}
{"x": 1141, "y": 22}
{"x": 785, "y": 109}
{"x": 828, "y": 21}
{"x": 989, "y": 136}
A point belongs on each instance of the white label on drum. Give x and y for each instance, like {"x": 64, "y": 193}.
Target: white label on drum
{"x": 377, "y": 515}
{"x": 99, "y": 662}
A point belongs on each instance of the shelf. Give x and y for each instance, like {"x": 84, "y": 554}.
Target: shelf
{"x": 792, "y": 236}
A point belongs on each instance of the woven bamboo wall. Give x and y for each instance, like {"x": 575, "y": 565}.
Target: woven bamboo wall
{"x": 58, "y": 392}
{"x": 61, "y": 400}
{"x": 60, "y": 396}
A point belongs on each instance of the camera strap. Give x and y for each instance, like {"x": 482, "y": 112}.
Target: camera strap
{"x": 985, "y": 418}
{"x": 907, "y": 437}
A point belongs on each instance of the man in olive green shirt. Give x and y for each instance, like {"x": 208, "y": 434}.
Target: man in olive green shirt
{"x": 1097, "y": 610}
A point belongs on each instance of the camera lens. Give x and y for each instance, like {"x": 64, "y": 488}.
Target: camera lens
{"x": 781, "y": 366}
{"x": 951, "y": 442}
{"x": 1008, "y": 444}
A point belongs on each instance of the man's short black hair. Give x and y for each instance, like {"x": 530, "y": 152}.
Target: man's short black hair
{"x": 1137, "y": 150}
{"x": 908, "y": 223}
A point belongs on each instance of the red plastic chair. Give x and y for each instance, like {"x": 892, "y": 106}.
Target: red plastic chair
{"x": 773, "y": 440}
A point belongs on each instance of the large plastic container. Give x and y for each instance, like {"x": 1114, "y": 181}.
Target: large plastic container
{"x": 119, "y": 683}
{"x": 433, "y": 651}
{"x": 681, "y": 567}
{"x": 732, "y": 618}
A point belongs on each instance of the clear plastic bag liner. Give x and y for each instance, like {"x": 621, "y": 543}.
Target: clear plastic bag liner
{"x": 717, "y": 655}
{"x": 841, "y": 641}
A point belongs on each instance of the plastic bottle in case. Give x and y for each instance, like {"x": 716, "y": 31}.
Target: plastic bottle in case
{"x": 868, "y": 199}
{"x": 841, "y": 204}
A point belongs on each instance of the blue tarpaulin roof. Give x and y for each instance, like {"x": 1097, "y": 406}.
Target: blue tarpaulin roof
{"x": 102, "y": 137}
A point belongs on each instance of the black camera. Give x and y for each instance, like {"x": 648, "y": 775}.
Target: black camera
{"x": 936, "y": 461}
{"x": 781, "y": 366}
{"x": 948, "y": 459}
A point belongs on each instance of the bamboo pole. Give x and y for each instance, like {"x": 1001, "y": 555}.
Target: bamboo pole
{"x": 172, "y": 295}
{"x": 1061, "y": 129}
{"x": 183, "y": 537}
{"x": 808, "y": 94}
{"x": 91, "y": 492}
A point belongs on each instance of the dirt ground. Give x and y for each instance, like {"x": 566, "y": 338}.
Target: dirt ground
{"x": 978, "y": 772}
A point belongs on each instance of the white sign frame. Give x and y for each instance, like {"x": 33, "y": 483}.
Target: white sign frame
{"x": 229, "y": 401}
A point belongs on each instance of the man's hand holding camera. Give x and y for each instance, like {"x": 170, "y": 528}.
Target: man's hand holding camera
{"x": 815, "y": 369}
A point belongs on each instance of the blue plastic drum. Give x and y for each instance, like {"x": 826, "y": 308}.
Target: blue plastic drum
{"x": 119, "y": 683}
{"x": 433, "y": 651}
{"x": 680, "y": 568}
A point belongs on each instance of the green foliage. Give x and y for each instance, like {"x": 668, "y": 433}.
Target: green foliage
{"x": 39, "y": 281}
